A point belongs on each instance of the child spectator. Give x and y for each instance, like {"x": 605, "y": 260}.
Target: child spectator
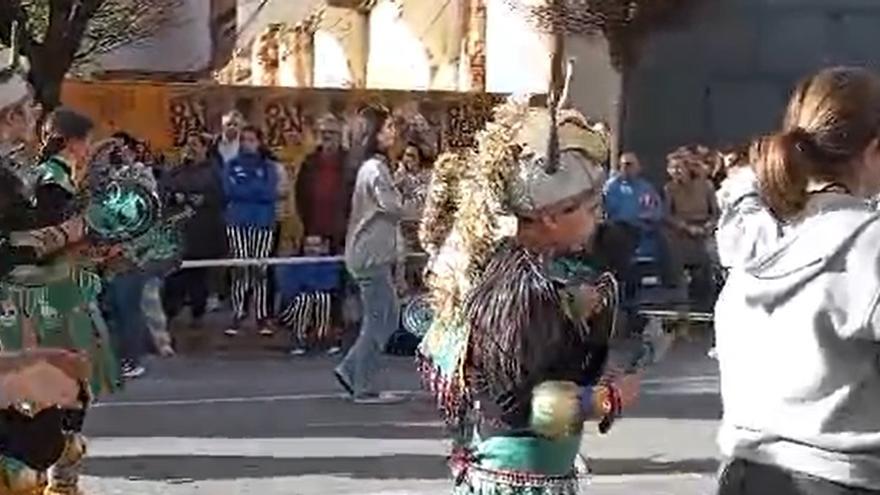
{"x": 312, "y": 296}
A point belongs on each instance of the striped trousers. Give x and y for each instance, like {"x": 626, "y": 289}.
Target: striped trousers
{"x": 309, "y": 319}
{"x": 250, "y": 243}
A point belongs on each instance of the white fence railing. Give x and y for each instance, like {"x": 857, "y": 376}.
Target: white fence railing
{"x": 292, "y": 260}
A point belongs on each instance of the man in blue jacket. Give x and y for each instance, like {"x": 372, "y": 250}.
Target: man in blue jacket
{"x": 631, "y": 202}
{"x": 250, "y": 181}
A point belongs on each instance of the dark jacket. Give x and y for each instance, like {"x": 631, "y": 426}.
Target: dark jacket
{"x": 250, "y": 182}
{"x": 307, "y": 203}
{"x": 199, "y": 186}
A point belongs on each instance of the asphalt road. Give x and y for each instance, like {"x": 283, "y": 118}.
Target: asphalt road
{"x": 271, "y": 425}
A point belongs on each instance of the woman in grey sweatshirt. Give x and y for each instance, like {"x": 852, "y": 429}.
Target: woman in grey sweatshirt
{"x": 798, "y": 326}
{"x": 371, "y": 253}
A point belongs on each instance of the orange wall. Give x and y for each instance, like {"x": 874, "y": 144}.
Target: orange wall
{"x": 164, "y": 114}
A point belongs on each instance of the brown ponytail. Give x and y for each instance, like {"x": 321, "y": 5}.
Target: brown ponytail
{"x": 830, "y": 121}
{"x": 783, "y": 172}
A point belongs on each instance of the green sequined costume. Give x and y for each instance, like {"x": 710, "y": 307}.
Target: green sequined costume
{"x": 53, "y": 302}
{"x": 49, "y": 299}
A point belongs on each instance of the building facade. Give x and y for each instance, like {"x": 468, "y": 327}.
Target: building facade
{"x": 724, "y": 76}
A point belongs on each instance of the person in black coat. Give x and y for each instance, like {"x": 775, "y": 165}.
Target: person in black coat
{"x": 195, "y": 182}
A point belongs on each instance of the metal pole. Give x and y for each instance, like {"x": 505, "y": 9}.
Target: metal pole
{"x": 297, "y": 260}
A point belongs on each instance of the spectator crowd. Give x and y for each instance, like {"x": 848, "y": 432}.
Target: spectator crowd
{"x": 247, "y": 204}
{"x": 359, "y": 206}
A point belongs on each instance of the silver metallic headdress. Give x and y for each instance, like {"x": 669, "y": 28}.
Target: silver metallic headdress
{"x": 559, "y": 156}
{"x": 528, "y": 161}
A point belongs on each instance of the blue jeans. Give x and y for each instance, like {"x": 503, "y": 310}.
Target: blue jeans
{"x": 127, "y": 324}
{"x": 381, "y": 318}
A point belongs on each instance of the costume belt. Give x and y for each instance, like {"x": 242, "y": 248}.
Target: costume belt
{"x": 519, "y": 456}
{"x": 39, "y": 440}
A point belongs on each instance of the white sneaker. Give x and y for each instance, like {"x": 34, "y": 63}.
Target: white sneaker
{"x": 266, "y": 332}
{"x": 334, "y": 350}
{"x": 298, "y": 351}
{"x": 230, "y": 332}
{"x": 131, "y": 372}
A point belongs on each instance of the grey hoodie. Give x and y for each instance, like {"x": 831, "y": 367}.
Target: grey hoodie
{"x": 797, "y": 336}
{"x": 746, "y": 228}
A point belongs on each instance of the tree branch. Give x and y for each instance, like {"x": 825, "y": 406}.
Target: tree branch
{"x": 12, "y": 11}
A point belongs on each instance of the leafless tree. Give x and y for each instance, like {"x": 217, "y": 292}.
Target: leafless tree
{"x": 624, "y": 23}
{"x": 60, "y": 35}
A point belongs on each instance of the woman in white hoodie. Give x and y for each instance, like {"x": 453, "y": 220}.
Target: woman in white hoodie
{"x": 798, "y": 324}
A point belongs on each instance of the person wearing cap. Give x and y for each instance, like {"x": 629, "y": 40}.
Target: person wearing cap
{"x": 323, "y": 188}
{"x": 516, "y": 351}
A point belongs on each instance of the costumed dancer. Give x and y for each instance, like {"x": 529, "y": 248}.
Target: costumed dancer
{"x": 517, "y": 348}
{"x": 36, "y": 385}
{"x": 47, "y": 302}
{"x": 145, "y": 260}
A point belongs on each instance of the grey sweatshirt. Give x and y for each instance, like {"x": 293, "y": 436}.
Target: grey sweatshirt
{"x": 798, "y": 339}
{"x": 376, "y": 211}
{"x": 746, "y": 228}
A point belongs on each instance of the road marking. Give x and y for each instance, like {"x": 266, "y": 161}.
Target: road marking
{"x": 240, "y": 400}
{"x": 278, "y": 448}
{"x": 673, "y": 483}
{"x": 653, "y": 386}
{"x": 620, "y": 445}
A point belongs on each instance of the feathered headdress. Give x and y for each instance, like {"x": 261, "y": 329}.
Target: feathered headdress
{"x": 527, "y": 162}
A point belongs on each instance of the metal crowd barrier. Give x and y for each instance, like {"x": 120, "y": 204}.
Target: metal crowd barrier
{"x": 662, "y": 314}
{"x": 671, "y": 314}
{"x": 291, "y": 260}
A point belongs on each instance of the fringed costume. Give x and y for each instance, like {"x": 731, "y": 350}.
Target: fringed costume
{"x": 48, "y": 295}
{"x": 513, "y": 356}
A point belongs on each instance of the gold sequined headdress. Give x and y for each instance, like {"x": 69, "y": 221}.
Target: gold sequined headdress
{"x": 527, "y": 161}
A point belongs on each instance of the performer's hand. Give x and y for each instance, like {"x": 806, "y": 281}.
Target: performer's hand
{"x": 40, "y": 385}
{"x": 591, "y": 300}
{"x": 628, "y": 386}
